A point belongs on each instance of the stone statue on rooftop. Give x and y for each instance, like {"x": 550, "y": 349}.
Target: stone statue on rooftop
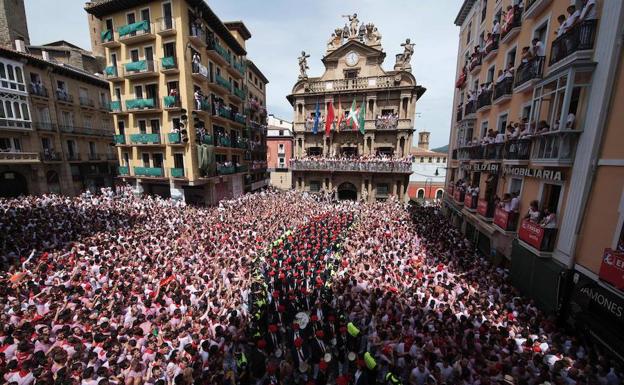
{"x": 373, "y": 37}
{"x": 303, "y": 65}
{"x": 353, "y": 25}
{"x": 335, "y": 41}
{"x": 403, "y": 59}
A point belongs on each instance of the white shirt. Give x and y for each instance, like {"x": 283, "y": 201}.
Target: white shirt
{"x": 496, "y": 29}
{"x": 515, "y": 204}
{"x": 571, "y": 20}
{"x": 538, "y": 49}
{"x": 500, "y": 138}
{"x": 589, "y": 14}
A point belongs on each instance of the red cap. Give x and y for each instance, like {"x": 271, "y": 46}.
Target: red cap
{"x": 261, "y": 344}
{"x": 320, "y": 334}
{"x": 323, "y": 365}
{"x": 298, "y": 342}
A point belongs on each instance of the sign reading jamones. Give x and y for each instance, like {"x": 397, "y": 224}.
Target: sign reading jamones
{"x": 553, "y": 175}
{"x": 492, "y": 168}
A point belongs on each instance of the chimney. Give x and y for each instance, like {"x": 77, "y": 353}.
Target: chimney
{"x": 423, "y": 140}
{"x": 20, "y": 45}
{"x": 45, "y": 55}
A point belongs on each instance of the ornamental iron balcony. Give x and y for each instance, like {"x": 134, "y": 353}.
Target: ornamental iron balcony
{"x": 579, "y": 38}
{"x": 484, "y": 100}
{"x": 223, "y": 82}
{"x": 530, "y": 70}
{"x": 387, "y": 122}
{"x": 85, "y": 101}
{"x": 239, "y": 66}
{"x": 111, "y": 73}
{"x": 505, "y": 220}
{"x": 517, "y": 150}
{"x": 493, "y": 151}
{"x": 475, "y": 64}
{"x": 221, "y": 51}
{"x": 44, "y": 126}
{"x": 174, "y": 138}
{"x": 502, "y": 89}
{"x": 115, "y": 106}
{"x": 239, "y": 93}
{"x": 63, "y": 96}
{"x": 470, "y": 108}
{"x": 13, "y": 157}
{"x": 73, "y": 156}
{"x": 225, "y": 170}
{"x": 511, "y": 25}
{"x": 123, "y": 170}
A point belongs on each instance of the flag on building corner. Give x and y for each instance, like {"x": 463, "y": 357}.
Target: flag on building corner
{"x": 330, "y": 118}
{"x": 317, "y": 115}
{"x": 362, "y": 116}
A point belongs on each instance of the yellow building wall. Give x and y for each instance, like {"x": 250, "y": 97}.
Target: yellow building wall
{"x": 613, "y": 140}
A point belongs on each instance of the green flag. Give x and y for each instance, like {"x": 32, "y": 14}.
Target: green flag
{"x": 352, "y": 118}
{"x": 362, "y": 116}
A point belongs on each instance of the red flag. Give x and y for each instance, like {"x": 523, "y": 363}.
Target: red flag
{"x": 340, "y": 115}
{"x": 330, "y": 118}
{"x": 167, "y": 280}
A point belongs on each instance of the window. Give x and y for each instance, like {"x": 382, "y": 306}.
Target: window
{"x": 515, "y": 186}
{"x": 468, "y": 34}
{"x": 315, "y": 186}
{"x": 510, "y": 58}
{"x": 46, "y": 143}
{"x": 352, "y": 74}
{"x": 483, "y": 10}
{"x": 490, "y": 74}
{"x": 87, "y": 122}
{"x": 502, "y": 122}
{"x": 420, "y": 194}
{"x": 281, "y": 132}
{"x": 430, "y": 159}
{"x": 484, "y": 128}
{"x": 146, "y": 160}
{"x": 12, "y": 77}
{"x": 92, "y": 148}
{"x": 142, "y": 126}
{"x": 10, "y": 145}
{"x": 155, "y": 126}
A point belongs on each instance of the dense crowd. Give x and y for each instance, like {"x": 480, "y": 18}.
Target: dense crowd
{"x": 270, "y": 288}
{"x": 363, "y": 163}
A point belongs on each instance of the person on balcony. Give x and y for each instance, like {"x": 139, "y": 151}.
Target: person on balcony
{"x": 197, "y": 95}
{"x": 534, "y": 214}
{"x": 501, "y": 76}
{"x": 589, "y": 11}
{"x": 542, "y": 127}
{"x": 525, "y": 56}
{"x": 549, "y": 220}
{"x": 496, "y": 29}
{"x": 573, "y": 15}
{"x": 561, "y": 28}
{"x": 474, "y": 193}
{"x": 515, "y": 202}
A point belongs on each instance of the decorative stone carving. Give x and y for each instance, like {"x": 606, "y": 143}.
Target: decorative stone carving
{"x": 335, "y": 41}
{"x": 353, "y": 28}
{"x": 403, "y": 59}
{"x": 303, "y": 65}
{"x": 372, "y": 35}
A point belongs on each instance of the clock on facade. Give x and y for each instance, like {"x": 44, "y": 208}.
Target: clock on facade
{"x": 352, "y": 58}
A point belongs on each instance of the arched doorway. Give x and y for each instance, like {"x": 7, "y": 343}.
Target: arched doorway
{"x": 347, "y": 191}
{"x": 12, "y": 184}
{"x": 439, "y": 194}
{"x": 421, "y": 193}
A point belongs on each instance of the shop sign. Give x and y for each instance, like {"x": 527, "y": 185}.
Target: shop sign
{"x": 553, "y": 175}
{"x": 612, "y": 268}
{"x": 531, "y": 233}
{"x": 491, "y": 168}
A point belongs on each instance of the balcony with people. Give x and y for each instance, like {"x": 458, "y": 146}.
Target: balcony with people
{"x": 531, "y": 67}
{"x": 459, "y": 193}
{"x": 38, "y": 90}
{"x": 112, "y": 73}
{"x": 109, "y": 38}
{"x": 484, "y": 97}
{"x": 491, "y": 46}
{"x": 471, "y": 197}
{"x": 506, "y": 212}
{"x": 218, "y": 52}
{"x": 511, "y": 23}
{"x": 463, "y": 77}
{"x": 387, "y": 121}
{"x": 355, "y": 163}
{"x": 503, "y": 88}
{"x": 471, "y": 105}
{"x": 485, "y": 209}
{"x": 576, "y": 35}
{"x": 538, "y": 228}
{"x": 198, "y": 35}
{"x": 198, "y": 71}
{"x": 475, "y": 60}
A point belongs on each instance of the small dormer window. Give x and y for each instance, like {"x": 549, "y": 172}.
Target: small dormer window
{"x": 351, "y": 74}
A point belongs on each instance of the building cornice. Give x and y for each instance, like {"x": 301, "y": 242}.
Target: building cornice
{"x": 463, "y": 12}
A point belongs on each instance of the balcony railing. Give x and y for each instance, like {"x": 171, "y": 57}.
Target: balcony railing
{"x": 470, "y": 201}
{"x": 518, "y": 149}
{"x": 73, "y": 156}
{"x": 239, "y": 66}
{"x": 484, "y": 99}
{"x": 223, "y": 111}
{"x": 165, "y": 25}
{"x": 529, "y": 71}
{"x": 177, "y": 172}
{"x": 351, "y": 165}
{"x": 174, "y": 138}
{"x": 95, "y": 156}
{"x": 485, "y": 208}
{"x": 386, "y": 81}
{"x": 111, "y": 72}
{"x": 115, "y": 106}
{"x": 198, "y": 35}
{"x": 503, "y": 88}
{"x": 129, "y": 31}
{"x": 213, "y": 45}
{"x": 145, "y": 138}
{"x": 119, "y": 139}
{"x": 107, "y": 36}
{"x": 45, "y": 126}
{"x": 510, "y": 24}
{"x": 491, "y": 46}
{"x": 223, "y": 82}
{"x": 123, "y": 170}
{"x": 63, "y": 96}
{"x": 507, "y": 221}
{"x": 240, "y": 118}
{"x": 51, "y": 156}
{"x": 140, "y": 104}
{"x": 536, "y": 236}
{"x": 387, "y": 122}
{"x": 225, "y": 170}
{"x": 579, "y": 38}
{"x": 148, "y": 171}
{"x": 170, "y": 102}
{"x": 555, "y": 146}
{"x": 470, "y": 108}
{"x": 85, "y": 101}
{"x": 239, "y": 93}
{"x": 199, "y": 69}
{"x": 459, "y": 196}
{"x": 493, "y": 151}
{"x": 38, "y": 90}
{"x": 140, "y": 67}
{"x": 475, "y": 63}
{"x": 19, "y": 157}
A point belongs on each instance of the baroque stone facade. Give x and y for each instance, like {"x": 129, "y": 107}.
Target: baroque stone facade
{"x": 350, "y": 161}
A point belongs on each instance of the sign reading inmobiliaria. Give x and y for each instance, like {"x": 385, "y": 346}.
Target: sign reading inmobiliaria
{"x": 531, "y": 233}
{"x": 612, "y": 268}
{"x": 554, "y": 175}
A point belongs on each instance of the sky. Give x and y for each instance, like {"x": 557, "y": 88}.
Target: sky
{"x": 281, "y": 29}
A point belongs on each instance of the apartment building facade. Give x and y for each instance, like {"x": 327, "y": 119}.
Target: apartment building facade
{"x": 279, "y": 152}
{"x": 181, "y": 106}
{"x": 532, "y": 147}
{"x": 357, "y": 88}
{"x": 55, "y": 128}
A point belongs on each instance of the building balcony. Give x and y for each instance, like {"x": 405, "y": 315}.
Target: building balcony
{"x": 493, "y": 151}
{"x": 223, "y": 141}
{"x": 73, "y": 157}
{"x": 205, "y": 139}
{"x": 459, "y": 114}
{"x": 242, "y": 168}
{"x": 171, "y": 103}
{"x": 169, "y": 65}
{"x": 528, "y": 74}
{"x": 554, "y": 148}
{"x": 387, "y": 122}
{"x": 175, "y": 138}
{"x": 517, "y": 152}
{"x": 202, "y": 105}
{"x": 222, "y": 111}
{"x": 177, "y": 172}
{"x": 19, "y": 157}
{"x": 219, "y": 53}
{"x": 360, "y": 83}
{"x": 112, "y": 74}
{"x": 475, "y": 65}
{"x": 503, "y": 90}
{"x": 86, "y": 102}
{"x": 140, "y": 69}
{"x": 138, "y": 32}
{"x": 123, "y": 170}
{"x": 223, "y": 82}
{"x": 142, "y": 105}
{"x": 511, "y": 26}
{"x": 469, "y": 109}
{"x": 576, "y": 44}
{"x": 48, "y": 155}
{"x": 198, "y": 37}
{"x": 63, "y": 97}
{"x": 115, "y": 106}
{"x": 240, "y": 67}
{"x": 225, "y": 170}
{"x": 44, "y": 126}
{"x": 239, "y": 118}
{"x": 119, "y": 139}
{"x": 145, "y": 138}
{"x": 461, "y": 80}
{"x": 484, "y": 101}
{"x": 85, "y": 131}
{"x": 38, "y": 90}
{"x": 153, "y": 172}
{"x": 258, "y": 165}
{"x": 505, "y": 220}
{"x": 165, "y": 26}
{"x": 199, "y": 72}
{"x": 485, "y": 209}
{"x": 470, "y": 202}
{"x": 491, "y": 48}
{"x": 110, "y": 38}
{"x": 459, "y": 196}
{"x": 239, "y": 93}
{"x": 533, "y": 8}
{"x": 335, "y": 165}
{"x": 95, "y": 156}
{"x": 536, "y": 238}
